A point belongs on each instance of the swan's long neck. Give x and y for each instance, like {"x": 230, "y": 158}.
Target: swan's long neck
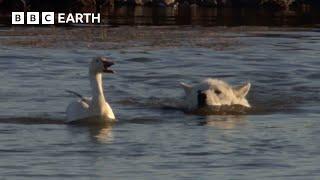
{"x": 98, "y": 99}
{"x": 99, "y": 106}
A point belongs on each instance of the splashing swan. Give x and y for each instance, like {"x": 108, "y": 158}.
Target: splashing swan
{"x": 95, "y": 109}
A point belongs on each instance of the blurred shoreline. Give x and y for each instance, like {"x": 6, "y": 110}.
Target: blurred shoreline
{"x": 204, "y": 16}
{"x": 99, "y": 5}
{"x": 294, "y": 13}
{"x": 148, "y": 38}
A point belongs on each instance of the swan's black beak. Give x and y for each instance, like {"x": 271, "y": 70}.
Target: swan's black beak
{"x": 106, "y": 66}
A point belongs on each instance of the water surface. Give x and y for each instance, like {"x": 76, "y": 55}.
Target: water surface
{"x": 277, "y": 139}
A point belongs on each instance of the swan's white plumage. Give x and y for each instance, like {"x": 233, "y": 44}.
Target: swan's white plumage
{"x": 95, "y": 108}
{"x": 77, "y": 110}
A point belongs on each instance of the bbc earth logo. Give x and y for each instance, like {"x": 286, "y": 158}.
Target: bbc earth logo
{"x": 53, "y": 18}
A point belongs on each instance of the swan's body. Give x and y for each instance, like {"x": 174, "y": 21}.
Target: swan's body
{"x": 95, "y": 109}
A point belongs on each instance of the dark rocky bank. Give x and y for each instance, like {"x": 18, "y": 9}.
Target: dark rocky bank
{"x": 7, "y": 6}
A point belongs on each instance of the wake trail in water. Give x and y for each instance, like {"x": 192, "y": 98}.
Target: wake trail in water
{"x": 30, "y": 120}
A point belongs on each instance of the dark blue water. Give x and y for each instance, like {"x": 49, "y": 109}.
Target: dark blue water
{"x": 277, "y": 139}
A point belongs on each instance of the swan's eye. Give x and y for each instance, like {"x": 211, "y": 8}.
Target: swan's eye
{"x": 217, "y": 91}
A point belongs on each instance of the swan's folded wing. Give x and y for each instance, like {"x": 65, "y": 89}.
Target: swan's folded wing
{"x": 84, "y": 99}
{"x": 78, "y": 110}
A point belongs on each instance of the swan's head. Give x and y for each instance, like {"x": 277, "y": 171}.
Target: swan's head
{"x": 101, "y": 65}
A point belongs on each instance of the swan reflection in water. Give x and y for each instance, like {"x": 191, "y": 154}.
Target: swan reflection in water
{"x": 100, "y": 132}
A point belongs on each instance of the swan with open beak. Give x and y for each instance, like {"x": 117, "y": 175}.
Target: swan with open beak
{"x": 95, "y": 109}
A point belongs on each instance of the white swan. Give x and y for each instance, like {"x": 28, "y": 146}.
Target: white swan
{"x": 95, "y": 109}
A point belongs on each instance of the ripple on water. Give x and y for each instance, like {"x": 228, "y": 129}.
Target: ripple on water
{"x": 154, "y": 137}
